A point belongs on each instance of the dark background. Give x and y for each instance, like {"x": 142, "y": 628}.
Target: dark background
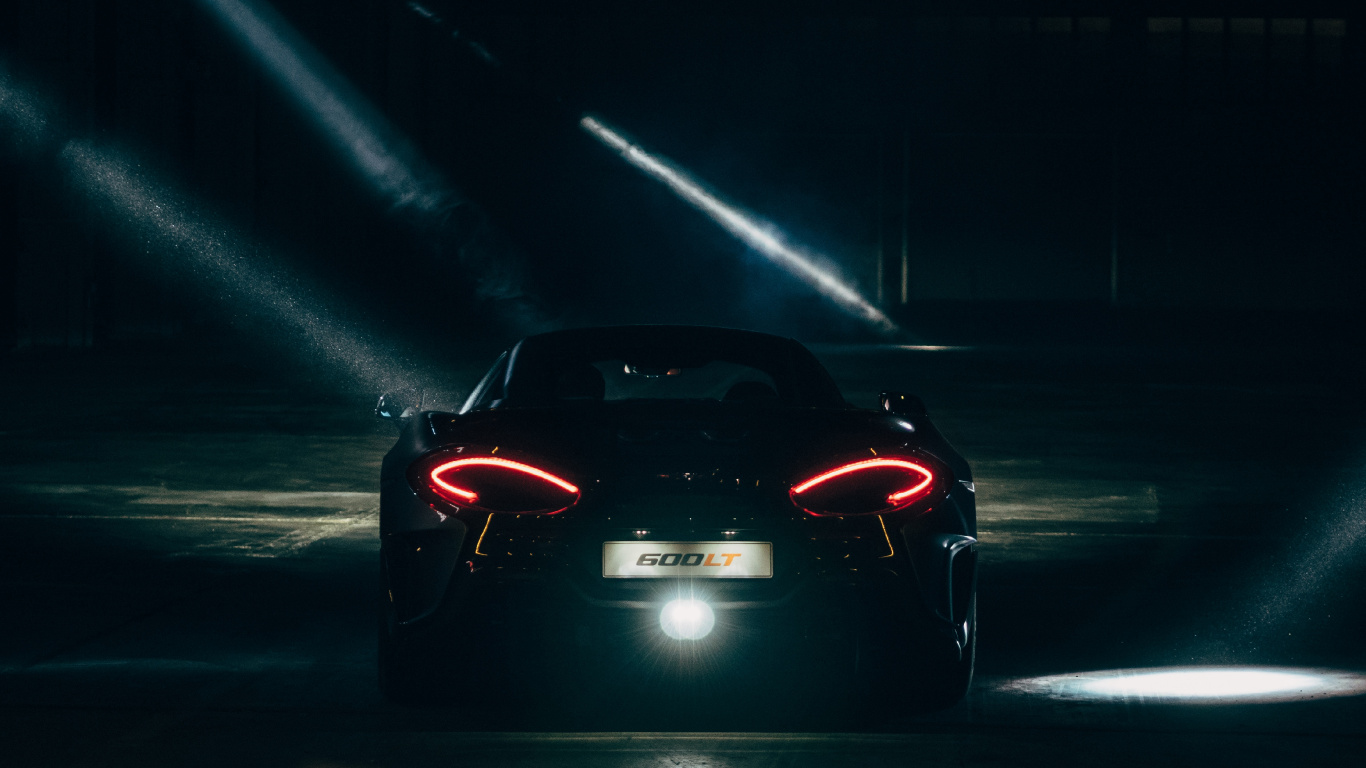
{"x": 1129, "y": 235}
{"x": 1043, "y": 169}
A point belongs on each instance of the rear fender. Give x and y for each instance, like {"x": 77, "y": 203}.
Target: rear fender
{"x": 946, "y": 572}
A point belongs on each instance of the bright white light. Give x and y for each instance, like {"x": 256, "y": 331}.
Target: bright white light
{"x": 687, "y": 619}
{"x": 748, "y": 231}
{"x": 1197, "y": 684}
{"x": 1221, "y": 683}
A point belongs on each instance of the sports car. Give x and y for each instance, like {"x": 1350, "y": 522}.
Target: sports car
{"x": 673, "y": 497}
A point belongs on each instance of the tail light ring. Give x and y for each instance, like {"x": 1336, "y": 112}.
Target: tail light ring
{"x": 924, "y": 479}
{"x": 432, "y": 478}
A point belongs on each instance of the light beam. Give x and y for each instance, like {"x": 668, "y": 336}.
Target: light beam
{"x": 757, "y": 236}
{"x": 224, "y": 261}
{"x": 384, "y": 157}
{"x": 207, "y": 249}
{"x": 356, "y": 129}
{"x": 21, "y": 111}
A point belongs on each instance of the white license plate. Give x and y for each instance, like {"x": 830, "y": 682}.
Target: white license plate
{"x": 687, "y": 560}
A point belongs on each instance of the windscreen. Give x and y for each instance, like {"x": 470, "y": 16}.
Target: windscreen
{"x": 712, "y": 380}
{"x": 663, "y": 363}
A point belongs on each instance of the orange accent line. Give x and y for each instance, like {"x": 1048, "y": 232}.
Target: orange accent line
{"x": 891, "y": 550}
{"x": 480, "y": 543}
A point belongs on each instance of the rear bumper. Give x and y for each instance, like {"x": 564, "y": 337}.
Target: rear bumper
{"x": 924, "y": 573}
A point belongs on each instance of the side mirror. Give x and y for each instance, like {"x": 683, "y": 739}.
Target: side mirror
{"x": 394, "y": 407}
{"x": 901, "y": 404}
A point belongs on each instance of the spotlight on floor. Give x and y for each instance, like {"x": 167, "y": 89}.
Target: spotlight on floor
{"x": 756, "y": 235}
{"x": 687, "y": 619}
{"x": 1198, "y": 685}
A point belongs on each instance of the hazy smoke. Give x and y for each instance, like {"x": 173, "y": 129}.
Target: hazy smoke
{"x": 225, "y": 261}
{"x": 20, "y": 113}
{"x": 454, "y": 228}
{"x": 1285, "y": 596}
{"x": 167, "y": 224}
{"x": 354, "y": 128}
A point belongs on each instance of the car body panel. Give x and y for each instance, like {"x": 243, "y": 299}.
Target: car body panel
{"x": 676, "y": 471}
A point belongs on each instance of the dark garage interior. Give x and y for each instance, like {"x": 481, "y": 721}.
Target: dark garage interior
{"x": 1115, "y": 248}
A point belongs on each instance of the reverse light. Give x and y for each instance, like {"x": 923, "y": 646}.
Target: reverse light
{"x": 869, "y": 487}
{"x": 687, "y": 619}
{"x": 492, "y": 484}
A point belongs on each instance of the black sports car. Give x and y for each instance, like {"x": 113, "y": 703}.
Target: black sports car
{"x": 674, "y": 495}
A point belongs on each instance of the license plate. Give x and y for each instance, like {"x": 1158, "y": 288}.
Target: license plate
{"x": 687, "y": 560}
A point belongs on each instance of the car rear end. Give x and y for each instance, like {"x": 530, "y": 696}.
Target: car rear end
{"x": 691, "y": 552}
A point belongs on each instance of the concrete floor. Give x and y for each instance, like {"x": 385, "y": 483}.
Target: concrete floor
{"x": 188, "y": 547}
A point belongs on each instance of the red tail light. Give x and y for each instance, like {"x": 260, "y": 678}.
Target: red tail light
{"x": 492, "y": 484}
{"x": 866, "y": 487}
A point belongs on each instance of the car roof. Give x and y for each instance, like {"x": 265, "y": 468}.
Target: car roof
{"x": 663, "y": 334}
